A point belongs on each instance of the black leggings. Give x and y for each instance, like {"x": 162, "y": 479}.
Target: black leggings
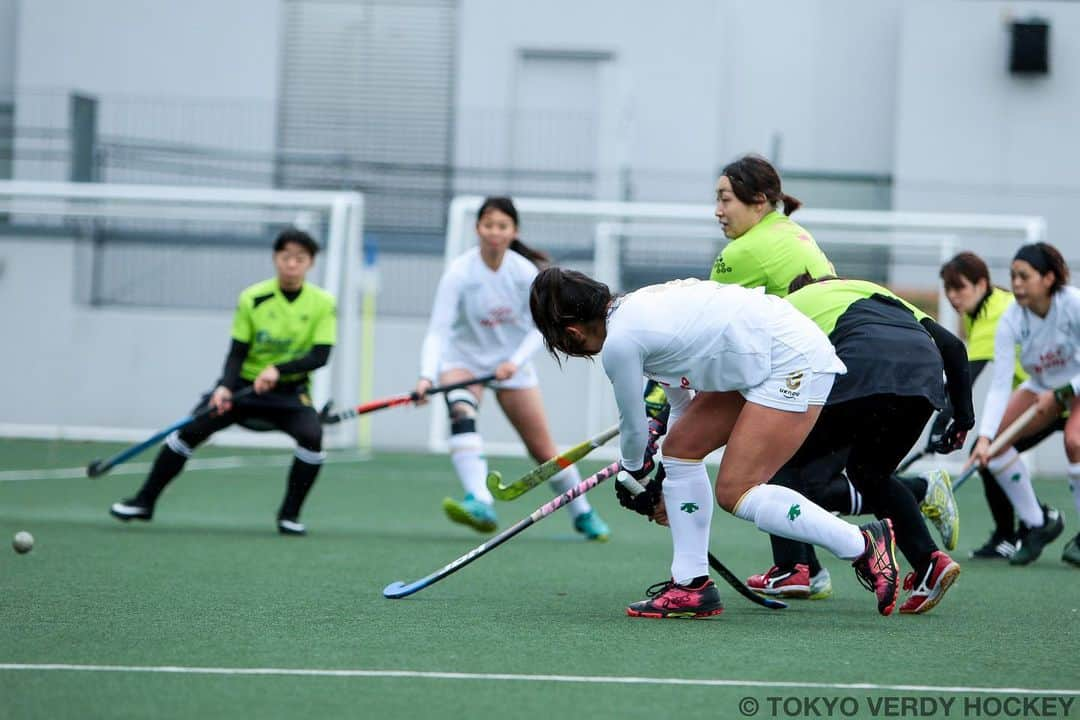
{"x": 874, "y": 433}
{"x": 282, "y": 411}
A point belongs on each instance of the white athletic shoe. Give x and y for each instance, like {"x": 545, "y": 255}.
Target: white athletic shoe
{"x": 291, "y": 527}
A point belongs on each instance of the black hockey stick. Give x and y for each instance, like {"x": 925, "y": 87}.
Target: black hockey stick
{"x": 741, "y": 588}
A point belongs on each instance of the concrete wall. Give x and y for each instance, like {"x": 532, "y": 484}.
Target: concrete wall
{"x": 693, "y": 85}
{"x": 8, "y": 35}
{"x": 972, "y": 137}
{"x": 199, "y": 72}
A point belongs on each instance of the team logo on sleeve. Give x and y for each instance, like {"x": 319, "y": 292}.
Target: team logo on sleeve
{"x": 719, "y": 267}
{"x": 792, "y": 383}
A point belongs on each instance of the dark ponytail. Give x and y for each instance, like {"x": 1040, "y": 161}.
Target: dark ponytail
{"x": 506, "y": 205}
{"x": 753, "y": 178}
{"x": 559, "y": 298}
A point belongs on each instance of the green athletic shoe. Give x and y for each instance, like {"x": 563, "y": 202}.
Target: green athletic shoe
{"x": 1071, "y": 554}
{"x": 592, "y": 526}
{"x": 939, "y": 506}
{"x": 470, "y": 511}
{"x": 820, "y": 585}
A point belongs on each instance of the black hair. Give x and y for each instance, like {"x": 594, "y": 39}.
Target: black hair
{"x": 559, "y": 298}
{"x": 506, "y": 205}
{"x": 801, "y": 281}
{"x": 753, "y": 178}
{"x": 966, "y": 265}
{"x": 295, "y": 235}
{"x": 1045, "y": 258}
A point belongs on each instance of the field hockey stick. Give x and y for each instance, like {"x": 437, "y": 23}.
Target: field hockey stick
{"x": 329, "y": 418}
{"x": 1001, "y": 441}
{"x": 548, "y": 469}
{"x": 913, "y": 459}
{"x": 746, "y": 592}
{"x": 100, "y": 467}
{"x": 398, "y": 589}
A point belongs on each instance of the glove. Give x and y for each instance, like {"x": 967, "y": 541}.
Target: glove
{"x": 645, "y": 502}
{"x": 937, "y": 430}
{"x": 951, "y": 439}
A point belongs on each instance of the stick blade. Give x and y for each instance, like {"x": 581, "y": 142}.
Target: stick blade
{"x": 494, "y": 484}
{"x": 397, "y": 590}
{"x": 95, "y": 468}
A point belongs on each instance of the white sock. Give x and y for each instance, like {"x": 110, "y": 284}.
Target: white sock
{"x": 1011, "y": 473}
{"x": 782, "y": 511}
{"x": 565, "y": 480}
{"x": 467, "y": 454}
{"x": 1074, "y": 484}
{"x": 688, "y": 497}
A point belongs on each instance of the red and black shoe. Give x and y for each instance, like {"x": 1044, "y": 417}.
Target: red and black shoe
{"x": 793, "y": 582}
{"x": 877, "y": 568}
{"x": 668, "y": 599}
{"x": 939, "y": 575}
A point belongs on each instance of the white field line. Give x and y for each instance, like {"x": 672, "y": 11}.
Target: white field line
{"x": 591, "y": 679}
{"x": 219, "y": 463}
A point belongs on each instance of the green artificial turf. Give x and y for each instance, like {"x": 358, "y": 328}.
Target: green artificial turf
{"x": 210, "y": 584}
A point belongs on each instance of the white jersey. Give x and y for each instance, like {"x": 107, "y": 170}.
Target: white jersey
{"x": 1049, "y": 352}
{"x": 699, "y": 335}
{"x": 481, "y": 316}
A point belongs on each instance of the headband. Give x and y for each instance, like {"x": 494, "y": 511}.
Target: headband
{"x": 1034, "y": 256}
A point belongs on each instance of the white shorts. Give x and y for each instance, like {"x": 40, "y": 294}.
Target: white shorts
{"x": 792, "y": 385}
{"x": 1032, "y": 386}
{"x": 524, "y": 378}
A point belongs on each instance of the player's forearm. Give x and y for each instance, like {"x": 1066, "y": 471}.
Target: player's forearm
{"x": 315, "y": 359}
{"x": 957, "y": 372}
{"x": 234, "y": 361}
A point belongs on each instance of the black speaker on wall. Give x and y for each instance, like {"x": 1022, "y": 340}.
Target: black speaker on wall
{"x": 1030, "y": 52}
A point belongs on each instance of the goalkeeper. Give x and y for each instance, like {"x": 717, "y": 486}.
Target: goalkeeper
{"x": 283, "y": 329}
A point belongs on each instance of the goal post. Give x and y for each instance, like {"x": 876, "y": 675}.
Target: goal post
{"x": 124, "y": 296}
{"x": 628, "y": 244}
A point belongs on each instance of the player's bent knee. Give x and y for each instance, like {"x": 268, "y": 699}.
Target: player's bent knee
{"x": 461, "y": 405}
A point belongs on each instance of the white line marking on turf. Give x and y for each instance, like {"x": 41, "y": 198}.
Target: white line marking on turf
{"x": 596, "y": 679}
{"x": 219, "y": 463}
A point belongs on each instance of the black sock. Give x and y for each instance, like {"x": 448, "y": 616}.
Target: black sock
{"x": 835, "y": 495}
{"x": 812, "y": 562}
{"x": 1001, "y": 508}
{"x": 301, "y": 478}
{"x": 786, "y": 553}
{"x": 915, "y": 483}
{"x": 167, "y": 465}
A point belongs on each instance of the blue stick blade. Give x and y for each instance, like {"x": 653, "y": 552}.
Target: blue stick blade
{"x": 774, "y": 604}
{"x": 398, "y": 589}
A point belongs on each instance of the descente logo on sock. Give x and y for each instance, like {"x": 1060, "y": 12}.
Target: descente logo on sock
{"x": 793, "y": 512}
{"x": 689, "y": 507}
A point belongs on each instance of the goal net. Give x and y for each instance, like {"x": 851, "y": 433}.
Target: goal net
{"x": 628, "y": 245}
{"x": 120, "y": 299}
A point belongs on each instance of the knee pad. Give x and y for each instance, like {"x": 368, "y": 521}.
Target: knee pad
{"x": 461, "y": 406}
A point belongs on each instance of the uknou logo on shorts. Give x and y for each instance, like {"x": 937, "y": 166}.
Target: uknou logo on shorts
{"x": 792, "y": 382}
